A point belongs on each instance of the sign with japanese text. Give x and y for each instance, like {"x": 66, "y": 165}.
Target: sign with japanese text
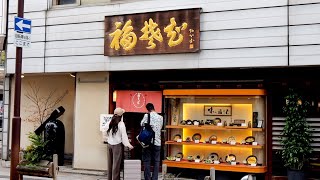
{"x": 22, "y": 28}
{"x": 175, "y": 31}
{"x": 22, "y": 39}
{"x": 104, "y": 119}
{"x": 136, "y": 101}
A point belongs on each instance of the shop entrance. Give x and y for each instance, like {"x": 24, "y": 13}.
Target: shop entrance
{"x": 134, "y": 103}
{"x": 132, "y": 122}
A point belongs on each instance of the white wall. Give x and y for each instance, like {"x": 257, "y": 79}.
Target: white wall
{"x": 2, "y": 15}
{"x": 238, "y": 33}
{"x": 233, "y": 34}
{"x": 29, "y": 5}
{"x": 92, "y": 99}
{"x": 305, "y": 34}
{"x": 57, "y": 84}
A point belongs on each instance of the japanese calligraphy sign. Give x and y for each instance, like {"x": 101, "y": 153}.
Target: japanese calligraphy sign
{"x": 217, "y": 110}
{"x": 175, "y": 31}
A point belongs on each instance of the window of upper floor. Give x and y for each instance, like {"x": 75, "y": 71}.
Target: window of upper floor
{"x": 63, "y": 2}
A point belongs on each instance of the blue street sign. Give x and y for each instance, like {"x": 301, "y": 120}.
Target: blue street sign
{"x": 22, "y": 25}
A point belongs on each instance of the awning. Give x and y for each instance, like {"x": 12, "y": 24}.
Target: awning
{"x": 135, "y": 101}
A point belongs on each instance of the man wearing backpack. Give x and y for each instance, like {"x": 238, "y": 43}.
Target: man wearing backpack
{"x": 153, "y": 151}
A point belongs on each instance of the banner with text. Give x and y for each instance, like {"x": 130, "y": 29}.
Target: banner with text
{"x": 136, "y": 101}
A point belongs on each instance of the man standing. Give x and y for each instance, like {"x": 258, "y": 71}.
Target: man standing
{"x": 153, "y": 151}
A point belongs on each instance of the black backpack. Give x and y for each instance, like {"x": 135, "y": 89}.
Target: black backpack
{"x": 146, "y": 135}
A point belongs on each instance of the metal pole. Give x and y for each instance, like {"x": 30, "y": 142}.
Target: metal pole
{"x": 16, "y": 120}
{"x": 212, "y": 173}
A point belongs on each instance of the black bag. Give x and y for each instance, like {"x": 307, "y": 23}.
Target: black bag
{"x": 146, "y": 135}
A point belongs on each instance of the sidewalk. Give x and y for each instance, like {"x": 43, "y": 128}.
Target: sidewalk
{"x": 65, "y": 173}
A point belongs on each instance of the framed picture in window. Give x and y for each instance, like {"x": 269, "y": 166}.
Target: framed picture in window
{"x": 217, "y": 110}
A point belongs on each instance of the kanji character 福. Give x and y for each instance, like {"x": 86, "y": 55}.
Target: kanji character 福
{"x": 125, "y": 37}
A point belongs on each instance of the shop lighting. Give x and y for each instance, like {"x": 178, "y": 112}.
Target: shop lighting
{"x": 22, "y": 76}
{"x": 72, "y": 75}
{"x": 114, "y": 96}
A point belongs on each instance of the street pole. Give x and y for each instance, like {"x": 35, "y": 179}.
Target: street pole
{"x": 16, "y": 120}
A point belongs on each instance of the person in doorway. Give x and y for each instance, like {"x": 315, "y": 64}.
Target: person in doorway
{"x": 153, "y": 151}
{"x": 116, "y": 136}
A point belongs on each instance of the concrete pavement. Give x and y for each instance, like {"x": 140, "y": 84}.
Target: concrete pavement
{"x": 5, "y": 175}
{"x": 65, "y": 173}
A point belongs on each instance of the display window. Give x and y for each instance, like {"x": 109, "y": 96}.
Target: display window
{"x": 224, "y": 130}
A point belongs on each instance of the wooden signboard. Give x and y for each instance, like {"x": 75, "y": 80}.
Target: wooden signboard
{"x": 175, "y": 31}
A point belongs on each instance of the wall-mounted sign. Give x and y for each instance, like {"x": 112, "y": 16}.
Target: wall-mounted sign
{"x": 153, "y": 33}
{"x": 104, "y": 119}
{"x": 217, "y": 110}
{"x": 136, "y": 101}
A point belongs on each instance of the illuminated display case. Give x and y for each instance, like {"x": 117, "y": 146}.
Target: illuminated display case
{"x": 224, "y": 129}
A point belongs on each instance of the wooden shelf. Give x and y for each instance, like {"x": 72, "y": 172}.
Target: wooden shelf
{"x": 219, "y": 145}
{"x": 219, "y": 167}
{"x": 208, "y": 127}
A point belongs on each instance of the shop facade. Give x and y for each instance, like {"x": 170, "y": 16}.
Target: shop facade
{"x": 242, "y": 45}
{"x": 188, "y": 97}
{"x": 186, "y": 93}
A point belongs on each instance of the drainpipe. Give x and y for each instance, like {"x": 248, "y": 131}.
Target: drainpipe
{"x": 5, "y": 13}
{"x": 288, "y": 30}
{"x": 6, "y": 84}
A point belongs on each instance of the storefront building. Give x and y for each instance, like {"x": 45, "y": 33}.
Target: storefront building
{"x": 236, "y": 53}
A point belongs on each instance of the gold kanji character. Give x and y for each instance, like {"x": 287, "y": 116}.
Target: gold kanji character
{"x": 173, "y": 31}
{"x": 115, "y": 43}
{"x": 125, "y": 37}
{"x": 150, "y": 28}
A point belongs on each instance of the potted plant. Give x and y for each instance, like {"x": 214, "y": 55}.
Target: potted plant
{"x": 296, "y": 137}
{"x": 36, "y": 151}
{"x": 35, "y": 160}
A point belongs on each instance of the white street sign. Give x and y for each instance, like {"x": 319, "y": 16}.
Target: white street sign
{"x": 22, "y": 39}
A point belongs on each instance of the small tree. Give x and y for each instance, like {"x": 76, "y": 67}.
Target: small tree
{"x": 41, "y": 106}
{"x": 296, "y": 136}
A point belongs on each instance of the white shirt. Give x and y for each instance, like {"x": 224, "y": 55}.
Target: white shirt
{"x": 156, "y": 122}
{"x": 120, "y": 136}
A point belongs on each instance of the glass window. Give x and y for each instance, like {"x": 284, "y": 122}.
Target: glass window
{"x": 207, "y": 125}
{"x": 62, "y": 2}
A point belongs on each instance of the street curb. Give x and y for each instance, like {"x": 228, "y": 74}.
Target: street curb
{"x": 64, "y": 169}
